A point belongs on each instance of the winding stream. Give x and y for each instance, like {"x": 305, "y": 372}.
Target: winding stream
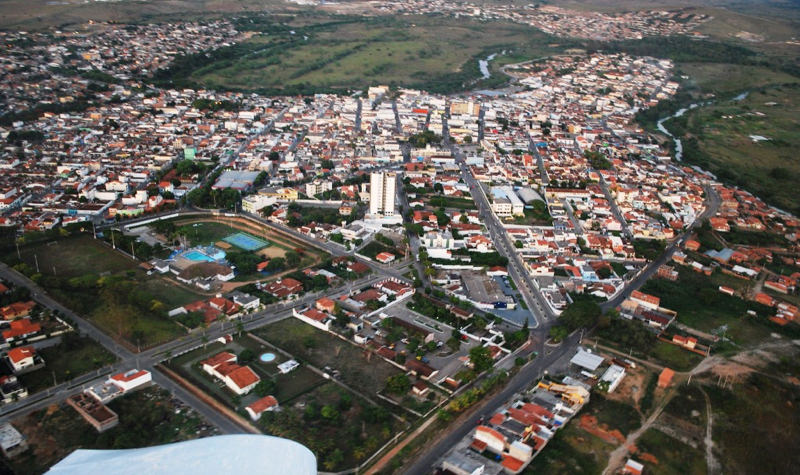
{"x": 483, "y": 65}
{"x": 680, "y": 112}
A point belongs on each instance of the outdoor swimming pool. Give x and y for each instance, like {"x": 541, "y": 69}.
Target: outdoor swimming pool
{"x": 197, "y": 256}
{"x": 267, "y": 357}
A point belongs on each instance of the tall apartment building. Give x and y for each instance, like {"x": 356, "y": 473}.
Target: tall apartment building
{"x": 381, "y": 193}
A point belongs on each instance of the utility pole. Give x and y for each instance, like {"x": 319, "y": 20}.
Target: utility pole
{"x": 18, "y": 254}
{"x": 36, "y": 258}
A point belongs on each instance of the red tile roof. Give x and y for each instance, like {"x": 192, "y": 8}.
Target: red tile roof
{"x": 18, "y": 354}
{"x": 263, "y": 404}
{"x": 243, "y": 377}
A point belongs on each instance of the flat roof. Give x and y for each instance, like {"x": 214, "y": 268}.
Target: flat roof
{"x": 586, "y": 360}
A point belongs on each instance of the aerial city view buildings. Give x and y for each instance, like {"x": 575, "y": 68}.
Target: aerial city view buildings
{"x": 399, "y": 237}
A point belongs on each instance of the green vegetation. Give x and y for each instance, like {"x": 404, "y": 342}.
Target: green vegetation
{"x": 673, "y": 455}
{"x": 582, "y": 313}
{"x": 72, "y": 357}
{"x": 147, "y": 417}
{"x": 374, "y": 248}
{"x": 204, "y": 233}
{"x": 320, "y": 53}
{"x": 322, "y": 349}
{"x": 106, "y": 287}
{"x": 701, "y": 305}
{"x": 301, "y": 215}
{"x": 650, "y": 249}
{"x": 615, "y": 414}
{"x": 425, "y": 138}
{"x": 720, "y": 141}
{"x": 452, "y": 202}
{"x": 340, "y": 428}
{"x": 571, "y": 450}
{"x": 756, "y": 425}
{"x": 675, "y": 357}
{"x": 597, "y": 160}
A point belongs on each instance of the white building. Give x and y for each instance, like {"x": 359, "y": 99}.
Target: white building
{"x": 382, "y": 193}
{"x": 131, "y": 379}
{"x": 254, "y": 203}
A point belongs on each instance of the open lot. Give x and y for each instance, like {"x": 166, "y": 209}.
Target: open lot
{"x": 106, "y": 287}
{"x": 700, "y": 305}
{"x": 671, "y": 455}
{"x": 572, "y": 450}
{"x": 72, "y": 357}
{"x": 756, "y": 424}
{"x": 359, "y": 369}
{"x": 434, "y": 53}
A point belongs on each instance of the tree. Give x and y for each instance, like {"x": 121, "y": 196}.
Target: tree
{"x": 454, "y": 343}
{"x": 265, "y": 387}
{"x": 398, "y": 384}
{"x": 558, "y": 333}
{"x": 333, "y": 460}
{"x": 247, "y": 355}
{"x": 329, "y": 412}
{"x": 583, "y": 312}
{"x": 480, "y": 358}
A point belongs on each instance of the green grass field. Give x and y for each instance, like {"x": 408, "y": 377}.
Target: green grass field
{"x": 571, "y": 450}
{"x": 435, "y": 53}
{"x": 756, "y": 425}
{"x": 768, "y": 168}
{"x": 207, "y": 232}
{"x": 321, "y": 349}
{"x": 700, "y": 305}
{"x": 73, "y": 257}
{"x": 69, "y": 359}
{"x": 673, "y": 455}
{"x": 106, "y": 287}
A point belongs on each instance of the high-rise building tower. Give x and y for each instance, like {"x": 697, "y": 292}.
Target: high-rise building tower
{"x": 381, "y": 193}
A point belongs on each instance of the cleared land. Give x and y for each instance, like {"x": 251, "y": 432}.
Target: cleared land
{"x": 359, "y": 369}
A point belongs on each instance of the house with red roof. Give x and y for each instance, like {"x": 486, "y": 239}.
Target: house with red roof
{"x": 21, "y": 328}
{"x": 131, "y": 379}
{"x": 286, "y": 288}
{"x": 17, "y": 310}
{"x": 239, "y": 379}
{"x": 314, "y": 317}
{"x": 385, "y": 257}
{"x": 22, "y": 358}
{"x": 265, "y": 404}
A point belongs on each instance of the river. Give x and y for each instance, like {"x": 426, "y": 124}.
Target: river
{"x": 483, "y": 65}
{"x": 680, "y": 112}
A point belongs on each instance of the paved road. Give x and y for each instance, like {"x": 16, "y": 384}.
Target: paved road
{"x": 614, "y": 208}
{"x": 540, "y": 310}
{"x": 149, "y": 358}
{"x": 712, "y": 205}
{"x": 526, "y": 376}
